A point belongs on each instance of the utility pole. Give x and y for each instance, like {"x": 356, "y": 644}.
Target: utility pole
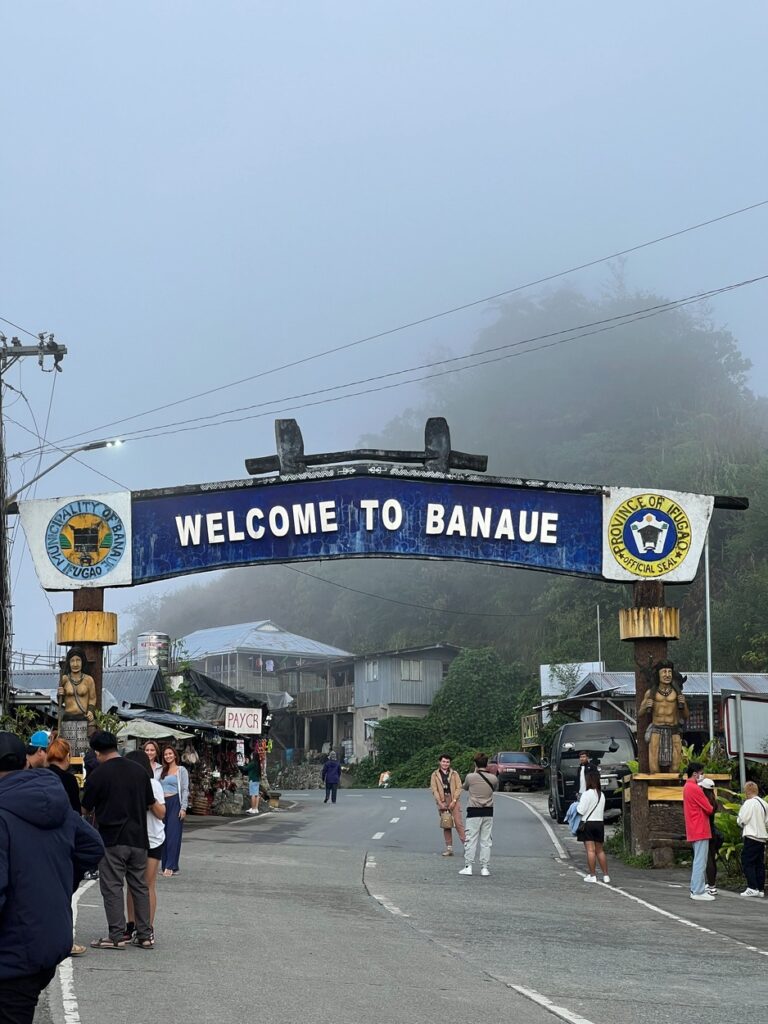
{"x": 9, "y": 355}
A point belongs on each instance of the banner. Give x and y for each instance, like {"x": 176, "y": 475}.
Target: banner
{"x": 366, "y": 511}
{"x": 243, "y": 721}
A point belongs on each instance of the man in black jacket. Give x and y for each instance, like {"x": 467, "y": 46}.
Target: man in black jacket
{"x": 41, "y": 840}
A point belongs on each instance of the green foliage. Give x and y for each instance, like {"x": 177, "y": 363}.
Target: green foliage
{"x": 188, "y": 700}
{"x": 399, "y": 738}
{"x": 365, "y": 774}
{"x": 712, "y": 757}
{"x": 106, "y": 721}
{"x": 415, "y": 773}
{"x": 22, "y": 721}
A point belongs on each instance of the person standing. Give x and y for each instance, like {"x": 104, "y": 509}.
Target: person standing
{"x": 42, "y": 843}
{"x": 585, "y": 765}
{"x": 752, "y": 817}
{"x": 481, "y": 786}
{"x": 174, "y": 779}
{"x": 37, "y": 749}
{"x": 708, "y": 789}
{"x": 445, "y": 784}
{"x": 331, "y": 775}
{"x": 591, "y": 807}
{"x": 698, "y": 813}
{"x": 156, "y": 837}
{"x": 120, "y": 793}
{"x": 253, "y": 771}
{"x": 58, "y": 763}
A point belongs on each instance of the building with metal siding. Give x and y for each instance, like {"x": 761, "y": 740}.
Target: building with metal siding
{"x": 142, "y": 686}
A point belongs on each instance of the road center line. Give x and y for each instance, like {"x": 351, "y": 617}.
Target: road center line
{"x": 377, "y": 835}
{"x": 388, "y": 905}
{"x": 393, "y": 821}
{"x": 550, "y": 832}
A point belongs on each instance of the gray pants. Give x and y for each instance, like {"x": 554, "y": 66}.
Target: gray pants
{"x": 122, "y": 864}
{"x": 482, "y": 829}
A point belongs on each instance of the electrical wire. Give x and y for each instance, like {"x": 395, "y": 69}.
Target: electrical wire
{"x": 162, "y": 430}
{"x": 422, "y": 320}
{"x": 18, "y": 328}
{"x": 411, "y": 604}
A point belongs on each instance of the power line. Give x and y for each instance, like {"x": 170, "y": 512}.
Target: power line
{"x": 424, "y": 320}
{"x": 410, "y": 604}
{"x": 161, "y": 430}
{"x": 16, "y": 327}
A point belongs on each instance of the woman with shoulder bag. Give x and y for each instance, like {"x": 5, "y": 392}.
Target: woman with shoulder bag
{"x": 445, "y": 784}
{"x": 591, "y": 831}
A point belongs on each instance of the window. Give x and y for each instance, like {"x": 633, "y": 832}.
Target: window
{"x": 515, "y": 758}
{"x": 410, "y": 670}
{"x": 371, "y": 670}
{"x": 445, "y": 669}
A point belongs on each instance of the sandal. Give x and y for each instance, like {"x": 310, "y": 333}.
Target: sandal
{"x": 142, "y": 943}
{"x": 77, "y": 950}
{"x": 108, "y": 944}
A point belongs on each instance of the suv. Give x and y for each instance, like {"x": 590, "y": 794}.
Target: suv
{"x": 516, "y": 768}
{"x": 610, "y": 745}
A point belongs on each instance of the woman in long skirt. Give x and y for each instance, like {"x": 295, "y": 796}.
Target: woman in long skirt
{"x": 175, "y": 782}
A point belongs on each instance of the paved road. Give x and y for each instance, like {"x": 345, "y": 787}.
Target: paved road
{"x": 347, "y": 913}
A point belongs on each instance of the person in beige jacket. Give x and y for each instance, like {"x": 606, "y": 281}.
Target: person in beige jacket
{"x": 753, "y": 818}
{"x": 445, "y": 784}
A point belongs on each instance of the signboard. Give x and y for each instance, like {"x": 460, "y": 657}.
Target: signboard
{"x": 243, "y": 721}
{"x": 754, "y": 725}
{"x": 367, "y": 511}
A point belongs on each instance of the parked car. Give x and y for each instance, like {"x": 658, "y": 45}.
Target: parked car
{"x": 610, "y": 745}
{"x": 516, "y": 769}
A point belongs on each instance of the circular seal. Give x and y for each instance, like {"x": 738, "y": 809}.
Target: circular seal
{"x": 649, "y": 535}
{"x": 85, "y": 539}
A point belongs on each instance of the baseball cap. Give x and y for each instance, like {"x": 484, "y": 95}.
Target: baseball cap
{"x": 38, "y": 741}
{"x": 707, "y": 783}
{"x": 12, "y": 753}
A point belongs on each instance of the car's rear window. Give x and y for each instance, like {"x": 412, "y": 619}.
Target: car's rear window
{"x": 514, "y": 758}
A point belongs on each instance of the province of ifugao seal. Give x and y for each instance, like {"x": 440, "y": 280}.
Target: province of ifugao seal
{"x": 649, "y": 535}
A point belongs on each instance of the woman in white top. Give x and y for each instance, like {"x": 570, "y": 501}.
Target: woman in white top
{"x": 591, "y": 832}
{"x": 152, "y": 751}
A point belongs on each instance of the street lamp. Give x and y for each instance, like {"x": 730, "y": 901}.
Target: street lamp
{"x": 90, "y": 447}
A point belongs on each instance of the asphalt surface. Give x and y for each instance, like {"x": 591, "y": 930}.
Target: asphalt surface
{"x": 348, "y": 913}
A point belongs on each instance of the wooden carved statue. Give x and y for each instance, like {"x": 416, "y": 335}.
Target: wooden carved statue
{"x": 668, "y": 709}
{"x": 77, "y": 694}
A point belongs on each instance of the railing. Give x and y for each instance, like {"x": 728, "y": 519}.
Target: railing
{"x": 334, "y": 698}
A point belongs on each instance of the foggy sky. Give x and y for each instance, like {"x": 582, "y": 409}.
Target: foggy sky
{"x": 193, "y": 193}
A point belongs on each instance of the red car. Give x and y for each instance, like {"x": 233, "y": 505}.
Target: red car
{"x": 516, "y": 769}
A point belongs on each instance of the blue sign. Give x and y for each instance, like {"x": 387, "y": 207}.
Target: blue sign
{"x": 365, "y": 512}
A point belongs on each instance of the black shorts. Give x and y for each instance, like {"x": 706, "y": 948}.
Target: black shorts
{"x": 156, "y": 853}
{"x": 594, "y": 832}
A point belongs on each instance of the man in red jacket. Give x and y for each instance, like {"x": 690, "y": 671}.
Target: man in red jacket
{"x": 698, "y": 830}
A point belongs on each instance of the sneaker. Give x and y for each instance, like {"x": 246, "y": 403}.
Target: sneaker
{"x": 701, "y": 896}
{"x": 712, "y": 890}
{"x": 252, "y": 810}
{"x": 607, "y": 879}
{"x": 750, "y": 892}
{"x": 484, "y": 872}
{"x": 447, "y": 852}
{"x": 590, "y": 878}
{"x": 467, "y": 870}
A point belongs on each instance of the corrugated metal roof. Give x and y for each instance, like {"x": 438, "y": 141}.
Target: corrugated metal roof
{"x": 697, "y": 683}
{"x": 132, "y": 684}
{"x": 260, "y": 637}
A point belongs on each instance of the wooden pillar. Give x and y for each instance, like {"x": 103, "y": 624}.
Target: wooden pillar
{"x": 90, "y": 627}
{"x": 335, "y": 732}
{"x": 306, "y": 733}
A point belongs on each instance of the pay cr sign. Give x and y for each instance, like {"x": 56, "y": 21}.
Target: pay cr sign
{"x": 243, "y": 721}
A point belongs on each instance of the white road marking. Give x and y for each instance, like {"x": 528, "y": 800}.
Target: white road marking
{"x": 677, "y": 917}
{"x": 388, "y": 905}
{"x": 66, "y": 971}
{"x": 393, "y": 821}
{"x": 557, "y": 1011}
{"x": 550, "y": 832}
{"x": 377, "y": 835}
{"x": 370, "y": 862}
{"x": 403, "y": 808}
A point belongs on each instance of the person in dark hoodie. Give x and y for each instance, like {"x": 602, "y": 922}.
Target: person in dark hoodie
{"x": 41, "y": 840}
{"x": 331, "y": 776}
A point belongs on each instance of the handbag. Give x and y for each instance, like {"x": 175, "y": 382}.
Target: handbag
{"x": 446, "y": 819}
{"x": 581, "y": 830}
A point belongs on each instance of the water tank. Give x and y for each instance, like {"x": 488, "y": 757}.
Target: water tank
{"x": 153, "y": 649}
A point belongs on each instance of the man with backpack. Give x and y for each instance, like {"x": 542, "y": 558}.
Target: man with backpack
{"x": 481, "y": 786}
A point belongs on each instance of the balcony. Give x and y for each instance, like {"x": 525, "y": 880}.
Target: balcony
{"x": 327, "y": 701}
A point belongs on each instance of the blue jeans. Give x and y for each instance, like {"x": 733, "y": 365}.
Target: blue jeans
{"x": 699, "y": 869}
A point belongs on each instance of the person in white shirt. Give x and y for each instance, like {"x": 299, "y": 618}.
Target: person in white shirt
{"x": 591, "y": 831}
{"x": 585, "y": 765}
{"x": 753, "y": 818}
